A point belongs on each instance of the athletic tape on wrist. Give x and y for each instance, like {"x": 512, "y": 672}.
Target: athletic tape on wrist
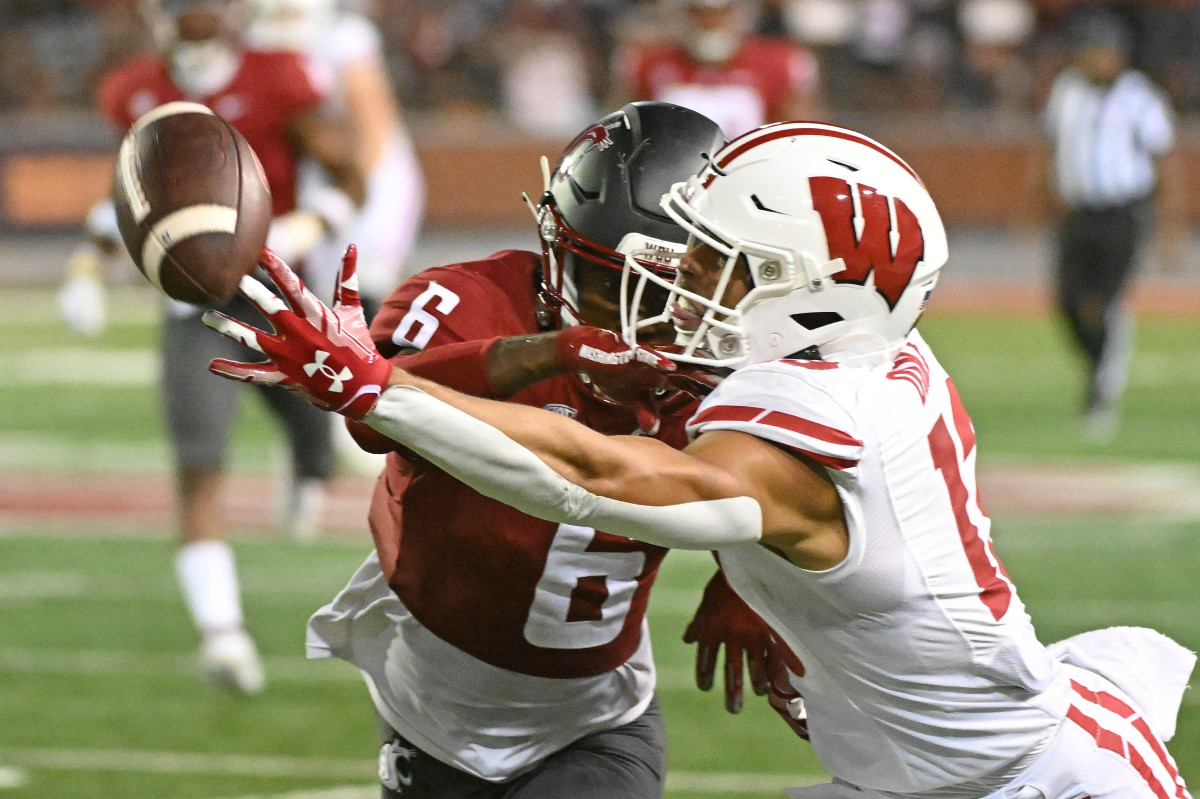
{"x": 493, "y": 464}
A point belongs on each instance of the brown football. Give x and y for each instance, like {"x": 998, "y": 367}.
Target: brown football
{"x": 192, "y": 202}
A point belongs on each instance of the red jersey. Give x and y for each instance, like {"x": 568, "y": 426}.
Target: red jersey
{"x": 268, "y": 92}
{"x": 517, "y": 592}
{"x": 749, "y": 90}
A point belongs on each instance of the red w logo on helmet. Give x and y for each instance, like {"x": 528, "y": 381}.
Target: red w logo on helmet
{"x": 861, "y": 234}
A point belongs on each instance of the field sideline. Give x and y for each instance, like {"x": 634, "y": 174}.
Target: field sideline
{"x": 97, "y": 695}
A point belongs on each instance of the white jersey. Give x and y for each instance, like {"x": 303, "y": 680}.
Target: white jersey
{"x": 487, "y": 721}
{"x": 916, "y": 647}
{"x": 386, "y": 226}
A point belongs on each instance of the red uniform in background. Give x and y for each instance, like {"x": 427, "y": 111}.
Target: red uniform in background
{"x": 750, "y": 89}
{"x": 269, "y": 91}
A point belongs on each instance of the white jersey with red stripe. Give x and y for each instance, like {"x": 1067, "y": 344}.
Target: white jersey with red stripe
{"x": 923, "y": 672}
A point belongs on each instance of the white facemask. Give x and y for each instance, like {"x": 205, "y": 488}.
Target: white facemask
{"x": 203, "y": 68}
{"x": 712, "y": 47}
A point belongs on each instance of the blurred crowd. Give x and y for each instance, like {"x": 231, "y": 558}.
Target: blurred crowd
{"x": 547, "y": 64}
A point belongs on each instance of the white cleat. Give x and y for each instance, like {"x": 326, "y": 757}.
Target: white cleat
{"x": 230, "y": 659}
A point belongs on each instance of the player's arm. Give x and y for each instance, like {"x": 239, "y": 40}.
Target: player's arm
{"x": 725, "y": 488}
{"x": 330, "y": 141}
{"x": 371, "y": 107}
{"x": 502, "y": 367}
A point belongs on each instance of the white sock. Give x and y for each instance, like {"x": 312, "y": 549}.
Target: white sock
{"x": 303, "y": 509}
{"x": 208, "y": 577}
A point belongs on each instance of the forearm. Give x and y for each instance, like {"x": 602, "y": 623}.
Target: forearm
{"x": 518, "y": 362}
{"x": 554, "y": 468}
{"x": 493, "y": 368}
{"x": 372, "y": 108}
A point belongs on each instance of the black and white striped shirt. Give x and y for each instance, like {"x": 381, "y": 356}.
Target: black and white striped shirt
{"x": 1106, "y": 138}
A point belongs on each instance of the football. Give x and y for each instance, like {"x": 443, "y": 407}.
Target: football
{"x": 192, "y": 202}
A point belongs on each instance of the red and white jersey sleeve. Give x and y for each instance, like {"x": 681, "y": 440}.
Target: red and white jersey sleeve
{"x": 792, "y": 403}
{"x": 916, "y": 645}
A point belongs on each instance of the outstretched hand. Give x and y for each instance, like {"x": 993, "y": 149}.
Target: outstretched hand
{"x": 724, "y": 619}
{"x": 634, "y": 376}
{"x": 324, "y": 355}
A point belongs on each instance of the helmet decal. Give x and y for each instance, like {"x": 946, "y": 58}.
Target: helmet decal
{"x": 863, "y": 235}
{"x": 597, "y": 136}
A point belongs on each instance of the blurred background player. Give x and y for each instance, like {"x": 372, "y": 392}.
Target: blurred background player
{"x": 718, "y": 67}
{"x": 507, "y": 655}
{"x": 344, "y": 51}
{"x": 273, "y": 102}
{"x": 1108, "y": 125}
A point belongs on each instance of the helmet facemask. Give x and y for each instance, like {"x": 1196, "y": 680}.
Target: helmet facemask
{"x": 720, "y": 340}
{"x": 565, "y": 252}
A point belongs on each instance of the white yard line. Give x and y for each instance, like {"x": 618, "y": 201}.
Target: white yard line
{"x": 80, "y": 366}
{"x": 339, "y": 792}
{"x": 46, "y": 452}
{"x": 281, "y": 668}
{"x": 224, "y": 764}
{"x": 130, "y": 760}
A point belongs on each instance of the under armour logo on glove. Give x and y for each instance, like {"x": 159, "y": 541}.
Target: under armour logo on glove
{"x": 319, "y": 365}
{"x": 324, "y": 355}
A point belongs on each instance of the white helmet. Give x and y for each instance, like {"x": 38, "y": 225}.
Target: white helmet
{"x": 842, "y": 241}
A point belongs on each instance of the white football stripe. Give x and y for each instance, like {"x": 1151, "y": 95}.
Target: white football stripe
{"x": 166, "y": 110}
{"x": 131, "y": 183}
{"x": 180, "y": 225}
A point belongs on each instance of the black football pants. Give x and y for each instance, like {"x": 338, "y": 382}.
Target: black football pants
{"x": 1097, "y": 252}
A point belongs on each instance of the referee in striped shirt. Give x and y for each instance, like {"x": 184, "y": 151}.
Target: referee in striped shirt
{"x": 1107, "y": 125}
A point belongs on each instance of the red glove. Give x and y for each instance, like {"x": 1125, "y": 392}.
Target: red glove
{"x": 723, "y": 618}
{"x": 782, "y": 696}
{"x": 326, "y": 356}
{"x": 634, "y": 376}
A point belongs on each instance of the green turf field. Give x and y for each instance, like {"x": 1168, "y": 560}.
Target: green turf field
{"x": 97, "y": 696}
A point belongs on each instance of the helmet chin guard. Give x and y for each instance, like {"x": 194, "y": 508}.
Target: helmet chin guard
{"x": 841, "y": 241}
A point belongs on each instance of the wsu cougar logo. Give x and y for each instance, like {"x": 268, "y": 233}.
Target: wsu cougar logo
{"x": 861, "y": 234}
{"x": 597, "y": 136}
